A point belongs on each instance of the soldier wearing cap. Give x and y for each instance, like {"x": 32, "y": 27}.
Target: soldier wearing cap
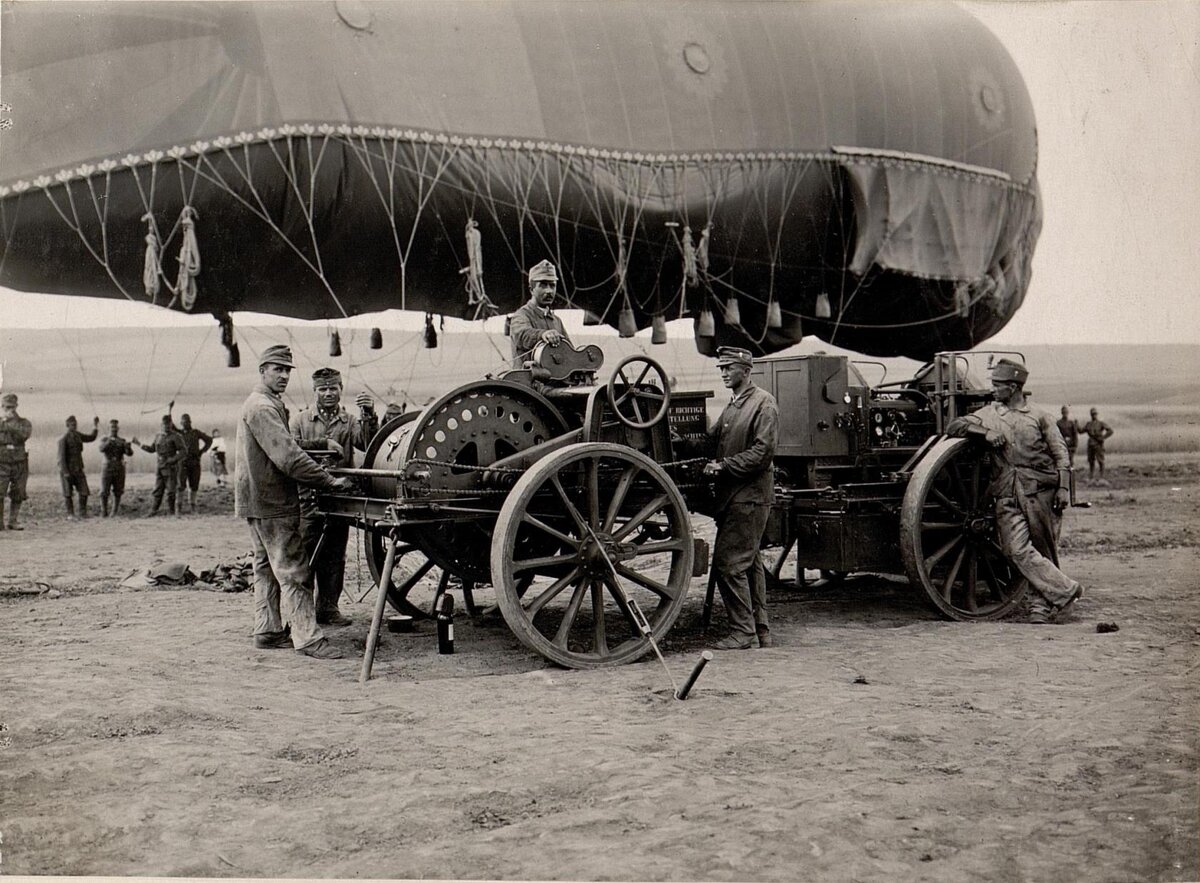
{"x": 14, "y": 459}
{"x": 327, "y": 426}
{"x": 1097, "y": 431}
{"x": 169, "y": 452}
{"x": 195, "y": 443}
{"x": 270, "y": 468}
{"x": 1069, "y": 430}
{"x": 114, "y": 449}
{"x": 70, "y": 465}
{"x": 745, "y": 435}
{"x": 1031, "y": 483}
{"x": 535, "y": 322}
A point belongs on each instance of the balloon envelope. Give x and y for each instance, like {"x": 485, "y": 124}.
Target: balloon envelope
{"x": 346, "y": 157}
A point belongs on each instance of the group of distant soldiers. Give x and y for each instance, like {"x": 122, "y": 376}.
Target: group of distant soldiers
{"x": 1097, "y": 432}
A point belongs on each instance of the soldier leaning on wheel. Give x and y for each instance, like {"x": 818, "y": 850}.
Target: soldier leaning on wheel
{"x": 1031, "y": 484}
{"x": 327, "y": 426}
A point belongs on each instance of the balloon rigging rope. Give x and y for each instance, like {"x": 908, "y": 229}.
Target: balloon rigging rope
{"x": 83, "y": 371}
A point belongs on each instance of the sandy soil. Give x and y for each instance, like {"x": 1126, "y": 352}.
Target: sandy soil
{"x": 141, "y": 733}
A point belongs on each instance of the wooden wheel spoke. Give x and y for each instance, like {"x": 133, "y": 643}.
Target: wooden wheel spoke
{"x": 571, "y": 510}
{"x": 618, "y": 498}
{"x": 660, "y": 589}
{"x": 932, "y": 560}
{"x": 976, "y": 467}
{"x": 413, "y": 578}
{"x": 563, "y": 538}
{"x": 644, "y": 513}
{"x": 619, "y": 597}
{"x": 972, "y": 582}
{"x": 997, "y": 584}
{"x": 593, "y": 491}
{"x": 948, "y": 582}
{"x": 657, "y": 547}
{"x": 948, "y": 503}
{"x": 642, "y": 376}
{"x": 542, "y": 562}
{"x": 552, "y": 591}
{"x": 941, "y": 525}
{"x": 600, "y": 638}
{"x": 572, "y": 612}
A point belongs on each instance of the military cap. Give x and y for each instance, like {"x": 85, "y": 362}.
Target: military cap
{"x": 326, "y": 375}
{"x": 114, "y": 422}
{"x": 734, "y": 355}
{"x": 277, "y": 355}
{"x": 543, "y": 270}
{"x": 9, "y": 398}
{"x": 1007, "y": 369}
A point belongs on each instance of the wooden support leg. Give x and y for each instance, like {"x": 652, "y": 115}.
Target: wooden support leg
{"x": 385, "y": 579}
{"x": 706, "y": 613}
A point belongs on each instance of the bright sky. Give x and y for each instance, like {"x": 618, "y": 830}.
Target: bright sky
{"x": 1116, "y": 89}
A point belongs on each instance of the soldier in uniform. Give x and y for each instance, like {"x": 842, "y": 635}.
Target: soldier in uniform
{"x": 270, "y": 468}
{"x": 535, "y": 322}
{"x": 195, "y": 443}
{"x": 112, "y": 479}
{"x": 168, "y": 447}
{"x": 1097, "y": 432}
{"x": 1031, "y": 482}
{"x": 1069, "y": 430}
{"x": 70, "y": 465}
{"x": 14, "y": 459}
{"x": 327, "y": 426}
{"x": 744, "y": 488}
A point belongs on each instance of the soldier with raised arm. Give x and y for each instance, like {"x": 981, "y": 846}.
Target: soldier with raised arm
{"x": 71, "y": 472}
{"x": 169, "y": 452}
{"x": 1031, "y": 483}
{"x": 114, "y": 449}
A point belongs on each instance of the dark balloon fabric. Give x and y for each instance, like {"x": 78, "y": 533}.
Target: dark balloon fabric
{"x": 331, "y": 158}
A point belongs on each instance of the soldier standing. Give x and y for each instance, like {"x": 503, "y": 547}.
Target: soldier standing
{"x": 1097, "y": 432}
{"x": 168, "y": 446}
{"x": 327, "y": 426}
{"x": 535, "y": 322}
{"x": 1031, "y": 482}
{"x": 270, "y": 468}
{"x": 745, "y": 434}
{"x": 70, "y": 465}
{"x": 14, "y": 459}
{"x": 195, "y": 443}
{"x": 115, "y": 449}
{"x": 1069, "y": 430}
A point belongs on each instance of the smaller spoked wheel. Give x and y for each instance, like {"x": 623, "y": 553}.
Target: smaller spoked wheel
{"x": 590, "y": 535}
{"x": 411, "y": 567}
{"x": 638, "y": 392}
{"x": 949, "y": 538}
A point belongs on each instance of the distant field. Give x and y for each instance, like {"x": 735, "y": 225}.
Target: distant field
{"x": 1149, "y": 395}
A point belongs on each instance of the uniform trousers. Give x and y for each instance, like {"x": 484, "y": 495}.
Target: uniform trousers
{"x": 1095, "y": 454}
{"x": 112, "y": 479}
{"x": 282, "y": 580}
{"x": 13, "y": 478}
{"x": 76, "y": 481}
{"x": 1029, "y": 531}
{"x": 166, "y": 479}
{"x": 189, "y": 474}
{"x": 329, "y": 569}
{"x": 736, "y": 559}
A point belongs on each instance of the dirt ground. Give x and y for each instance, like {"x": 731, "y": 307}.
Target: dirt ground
{"x": 142, "y": 734}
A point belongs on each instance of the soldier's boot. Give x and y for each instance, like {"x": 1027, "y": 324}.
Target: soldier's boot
{"x": 191, "y": 501}
{"x": 13, "y": 524}
{"x": 70, "y": 504}
{"x": 154, "y": 509}
{"x": 83, "y": 506}
{"x": 104, "y": 505}
{"x": 116, "y": 505}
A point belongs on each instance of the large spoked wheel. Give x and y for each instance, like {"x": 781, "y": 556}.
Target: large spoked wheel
{"x": 948, "y": 535}
{"x": 585, "y": 531}
{"x": 638, "y": 392}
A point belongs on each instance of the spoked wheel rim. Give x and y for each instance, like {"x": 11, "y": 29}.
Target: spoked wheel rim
{"x": 638, "y": 392}
{"x": 412, "y": 565}
{"x": 949, "y": 539}
{"x": 572, "y": 515}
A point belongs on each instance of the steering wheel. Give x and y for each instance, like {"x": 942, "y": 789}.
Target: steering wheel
{"x": 639, "y": 397}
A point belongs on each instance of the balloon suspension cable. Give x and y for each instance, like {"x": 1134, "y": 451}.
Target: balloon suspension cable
{"x": 82, "y": 371}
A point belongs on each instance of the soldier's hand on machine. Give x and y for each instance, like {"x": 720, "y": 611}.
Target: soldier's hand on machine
{"x": 364, "y": 401}
{"x": 552, "y": 337}
{"x": 713, "y": 467}
{"x": 343, "y": 485}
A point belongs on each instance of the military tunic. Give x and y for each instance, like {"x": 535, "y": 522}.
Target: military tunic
{"x": 525, "y": 328}
{"x": 14, "y": 459}
{"x": 1069, "y": 430}
{"x": 114, "y": 449}
{"x": 1024, "y": 480}
{"x": 746, "y": 435}
{"x": 342, "y": 432}
{"x": 168, "y": 447}
{"x": 195, "y": 443}
{"x": 1096, "y": 431}
{"x": 70, "y": 461}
